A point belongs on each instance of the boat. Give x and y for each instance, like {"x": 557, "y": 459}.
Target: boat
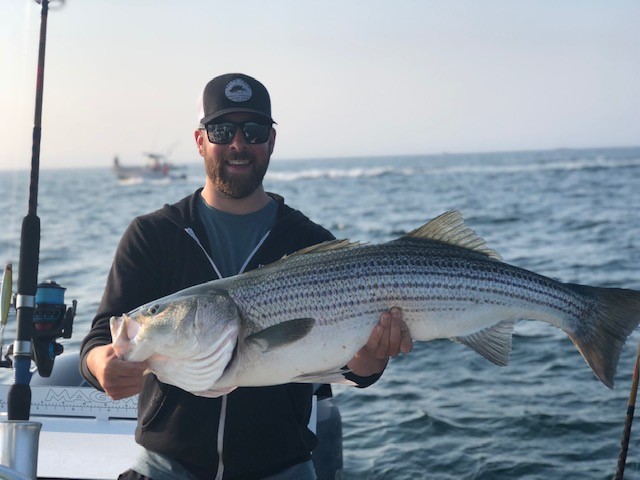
{"x": 157, "y": 167}
{"x": 70, "y": 428}
{"x": 72, "y": 425}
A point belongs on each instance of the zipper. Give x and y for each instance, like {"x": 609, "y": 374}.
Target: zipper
{"x": 221, "y": 424}
{"x": 223, "y": 406}
{"x": 193, "y": 235}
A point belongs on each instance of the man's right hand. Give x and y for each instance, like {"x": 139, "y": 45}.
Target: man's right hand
{"x": 118, "y": 378}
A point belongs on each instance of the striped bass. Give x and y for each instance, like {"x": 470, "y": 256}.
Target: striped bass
{"x": 302, "y": 318}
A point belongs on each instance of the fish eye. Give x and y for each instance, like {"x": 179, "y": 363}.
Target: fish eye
{"x": 153, "y": 310}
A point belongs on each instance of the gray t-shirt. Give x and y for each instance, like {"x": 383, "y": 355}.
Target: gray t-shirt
{"x": 233, "y": 238}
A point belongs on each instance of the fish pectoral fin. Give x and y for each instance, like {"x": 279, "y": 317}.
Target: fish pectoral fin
{"x": 333, "y": 376}
{"x": 282, "y": 334}
{"x": 493, "y": 343}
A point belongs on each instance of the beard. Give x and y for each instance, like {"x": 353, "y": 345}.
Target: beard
{"x": 232, "y": 185}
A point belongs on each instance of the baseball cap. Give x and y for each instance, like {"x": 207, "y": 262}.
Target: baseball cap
{"x": 232, "y": 93}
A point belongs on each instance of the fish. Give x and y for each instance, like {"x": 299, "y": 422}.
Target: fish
{"x": 303, "y": 317}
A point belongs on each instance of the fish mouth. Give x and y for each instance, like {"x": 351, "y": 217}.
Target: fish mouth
{"x": 119, "y": 338}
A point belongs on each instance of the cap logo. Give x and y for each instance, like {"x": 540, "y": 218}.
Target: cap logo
{"x": 237, "y": 90}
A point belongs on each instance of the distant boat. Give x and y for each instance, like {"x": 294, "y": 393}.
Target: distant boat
{"x": 156, "y": 168}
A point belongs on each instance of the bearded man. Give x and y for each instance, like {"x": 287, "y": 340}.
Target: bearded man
{"x": 229, "y": 226}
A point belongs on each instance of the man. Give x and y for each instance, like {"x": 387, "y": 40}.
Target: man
{"x": 229, "y": 226}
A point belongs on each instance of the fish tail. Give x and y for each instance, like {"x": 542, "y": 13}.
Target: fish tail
{"x": 613, "y": 315}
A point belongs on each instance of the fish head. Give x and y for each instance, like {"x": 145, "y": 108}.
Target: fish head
{"x": 188, "y": 337}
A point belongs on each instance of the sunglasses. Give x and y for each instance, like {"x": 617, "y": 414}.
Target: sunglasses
{"x": 224, "y": 132}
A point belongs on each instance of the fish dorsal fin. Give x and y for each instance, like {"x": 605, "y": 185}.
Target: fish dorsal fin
{"x": 326, "y": 247}
{"x": 450, "y": 228}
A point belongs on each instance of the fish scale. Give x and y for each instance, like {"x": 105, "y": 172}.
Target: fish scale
{"x": 414, "y": 277}
{"x": 302, "y": 318}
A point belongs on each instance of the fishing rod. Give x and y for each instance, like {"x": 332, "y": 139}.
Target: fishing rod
{"x": 631, "y": 406}
{"x": 19, "y": 396}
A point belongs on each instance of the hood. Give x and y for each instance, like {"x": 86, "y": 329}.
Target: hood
{"x": 184, "y": 215}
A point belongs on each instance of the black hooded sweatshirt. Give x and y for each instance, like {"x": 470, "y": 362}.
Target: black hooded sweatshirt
{"x": 264, "y": 429}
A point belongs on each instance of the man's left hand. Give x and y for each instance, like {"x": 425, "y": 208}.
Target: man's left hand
{"x": 388, "y": 338}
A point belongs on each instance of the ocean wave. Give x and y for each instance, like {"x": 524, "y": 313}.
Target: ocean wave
{"x": 317, "y": 173}
{"x": 460, "y": 169}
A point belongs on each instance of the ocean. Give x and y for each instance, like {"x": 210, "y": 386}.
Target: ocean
{"x": 443, "y": 411}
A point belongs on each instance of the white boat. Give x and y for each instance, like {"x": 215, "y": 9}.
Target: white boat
{"x": 77, "y": 432}
{"x": 156, "y": 168}
{"x": 71, "y": 428}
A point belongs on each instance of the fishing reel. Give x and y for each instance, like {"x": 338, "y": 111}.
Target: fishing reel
{"x": 51, "y": 320}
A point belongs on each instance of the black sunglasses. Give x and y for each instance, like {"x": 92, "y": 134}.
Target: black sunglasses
{"x": 224, "y": 132}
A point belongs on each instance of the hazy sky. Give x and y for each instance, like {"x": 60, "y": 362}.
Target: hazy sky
{"x": 347, "y": 78}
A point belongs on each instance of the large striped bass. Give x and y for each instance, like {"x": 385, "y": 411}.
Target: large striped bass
{"x": 302, "y": 318}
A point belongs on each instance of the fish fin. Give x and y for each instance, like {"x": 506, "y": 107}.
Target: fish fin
{"x": 450, "y": 228}
{"x": 493, "y": 343}
{"x": 333, "y": 376}
{"x": 282, "y": 334}
{"x": 615, "y": 315}
{"x": 326, "y": 247}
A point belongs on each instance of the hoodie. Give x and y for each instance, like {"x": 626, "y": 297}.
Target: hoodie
{"x": 250, "y": 433}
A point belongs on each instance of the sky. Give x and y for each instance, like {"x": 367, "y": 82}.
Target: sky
{"x": 346, "y": 78}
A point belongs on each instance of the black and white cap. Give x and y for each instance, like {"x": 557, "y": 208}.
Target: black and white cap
{"x": 235, "y": 92}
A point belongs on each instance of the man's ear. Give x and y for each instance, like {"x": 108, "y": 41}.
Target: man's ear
{"x": 199, "y": 136}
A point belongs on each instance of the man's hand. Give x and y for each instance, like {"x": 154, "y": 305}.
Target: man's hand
{"x": 388, "y": 338}
{"x": 118, "y": 378}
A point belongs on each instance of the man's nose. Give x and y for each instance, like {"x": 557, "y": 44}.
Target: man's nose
{"x": 238, "y": 140}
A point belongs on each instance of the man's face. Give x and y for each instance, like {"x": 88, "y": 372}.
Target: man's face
{"x": 236, "y": 169}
